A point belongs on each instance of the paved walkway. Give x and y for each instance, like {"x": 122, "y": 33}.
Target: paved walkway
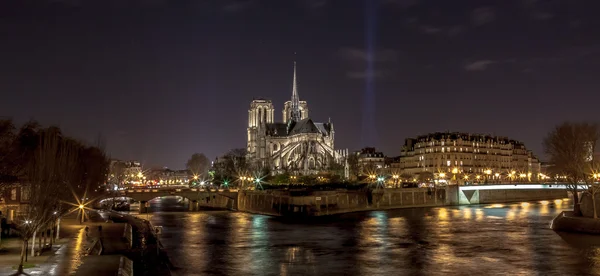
{"x": 10, "y": 255}
{"x": 67, "y": 254}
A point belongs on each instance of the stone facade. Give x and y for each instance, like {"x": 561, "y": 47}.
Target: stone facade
{"x": 464, "y": 153}
{"x": 297, "y": 145}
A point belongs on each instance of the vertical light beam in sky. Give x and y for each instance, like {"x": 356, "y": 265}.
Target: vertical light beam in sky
{"x": 369, "y": 132}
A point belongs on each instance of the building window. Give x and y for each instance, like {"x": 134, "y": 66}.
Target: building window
{"x": 13, "y": 194}
{"x": 448, "y": 163}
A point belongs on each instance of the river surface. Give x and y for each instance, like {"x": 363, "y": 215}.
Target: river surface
{"x": 509, "y": 239}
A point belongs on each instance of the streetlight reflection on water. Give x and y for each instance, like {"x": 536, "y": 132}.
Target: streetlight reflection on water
{"x": 462, "y": 240}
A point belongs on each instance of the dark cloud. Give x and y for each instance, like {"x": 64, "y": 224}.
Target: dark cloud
{"x": 483, "y": 15}
{"x": 430, "y": 29}
{"x": 316, "y": 4}
{"x": 479, "y": 65}
{"x": 237, "y": 6}
{"x": 540, "y": 15}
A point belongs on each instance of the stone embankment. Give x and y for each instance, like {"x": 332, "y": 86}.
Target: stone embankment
{"x": 307, "y": 203}
{"x": 585, "y": 223}
{"x": 148, "y": 256}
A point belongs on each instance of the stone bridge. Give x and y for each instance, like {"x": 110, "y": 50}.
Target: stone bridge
{"x": 198, "y": 197}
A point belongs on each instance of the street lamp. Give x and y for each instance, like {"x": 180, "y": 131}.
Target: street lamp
{"x": 257, "y": 183}
{"x": 82, "y": 211}
{"x": 487, "y": 172}
{"x": 454, "y": 172}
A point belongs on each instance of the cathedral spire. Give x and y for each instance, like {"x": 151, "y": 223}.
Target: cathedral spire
{"x": 295, "y": 112}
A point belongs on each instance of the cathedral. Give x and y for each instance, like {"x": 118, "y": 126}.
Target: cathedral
{"x": 297, "y": 144}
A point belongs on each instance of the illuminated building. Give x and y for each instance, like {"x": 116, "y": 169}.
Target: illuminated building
{"x": 489, "y": 157}
{"x": 297, "y": 144}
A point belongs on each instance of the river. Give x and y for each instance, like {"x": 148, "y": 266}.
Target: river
{"x": 509, "y": 239}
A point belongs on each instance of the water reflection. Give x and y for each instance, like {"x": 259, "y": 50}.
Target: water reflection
{"x": 513, "y": 239}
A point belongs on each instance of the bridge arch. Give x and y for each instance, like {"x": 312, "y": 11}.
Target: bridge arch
{"x": 224, "y": 199}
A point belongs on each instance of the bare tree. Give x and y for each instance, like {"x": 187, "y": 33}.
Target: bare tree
{"x": 48, "y": 172}
{"x": 406, "y": 176}
{"x": 425, "y": 176}
{"x": 117, "y": 173}
{"x": 198, "y": 164}
{"x": 570, "y": 147}
{"x": 353, "y": 165}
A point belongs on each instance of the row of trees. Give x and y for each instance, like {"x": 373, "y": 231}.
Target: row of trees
{"x": 55, "y": 173}
{"x": 233, "y": 165}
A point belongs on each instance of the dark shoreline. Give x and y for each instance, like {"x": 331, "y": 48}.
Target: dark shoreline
{"x": 147, "y": 260}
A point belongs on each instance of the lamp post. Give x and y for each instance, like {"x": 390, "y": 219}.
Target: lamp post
{"x": 373, "y": 178}
{"x": 497, "y": 175}
{"x": 395, "y": 177}
{"x": 487, "y": 172}
{"x": 380, "y": 181}
{"x": 82, "y": 210}
{"x": 454, "y": 172}
{"x": 257, "y": 183}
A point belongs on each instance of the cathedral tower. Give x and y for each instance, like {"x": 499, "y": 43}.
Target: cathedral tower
{"x": 261, "y": 112}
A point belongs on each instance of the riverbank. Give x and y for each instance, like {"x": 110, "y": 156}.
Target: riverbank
{"x": 148, "y": 256}
{"x": 52, "y": 259}
{"x": 568, "y": 222}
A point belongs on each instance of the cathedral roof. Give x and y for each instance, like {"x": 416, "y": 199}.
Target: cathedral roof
{"x": 325, "y": 128}
{"x": 303, "y": 126}
{"x": 276, "y": 129}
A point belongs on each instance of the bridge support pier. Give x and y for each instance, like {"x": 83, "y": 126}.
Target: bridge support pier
{"x": 143, "y": 208}
{"x": 193, "y": 206}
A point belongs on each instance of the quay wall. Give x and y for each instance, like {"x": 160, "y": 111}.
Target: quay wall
{"x": 322, "y": 203}
{"x": 212, "y": 200}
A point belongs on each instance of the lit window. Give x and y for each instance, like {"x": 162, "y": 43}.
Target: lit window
{"x": 448, "y": 163}
{"x": 442, "y": 149}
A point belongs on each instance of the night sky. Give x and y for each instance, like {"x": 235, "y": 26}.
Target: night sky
{"x": 162, "y": 79}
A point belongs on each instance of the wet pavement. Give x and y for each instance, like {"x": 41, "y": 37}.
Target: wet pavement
{"x": 65, "y": 260}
